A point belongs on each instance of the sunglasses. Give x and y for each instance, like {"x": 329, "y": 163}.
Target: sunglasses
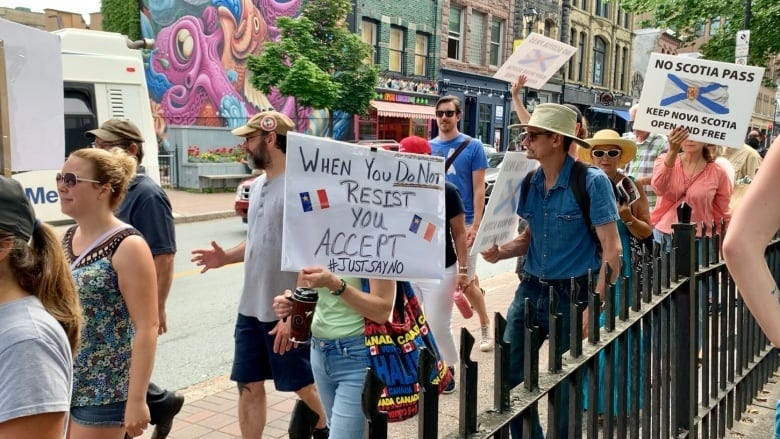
{"x": 612, "y": 153}
{"x": 531, "y": 137}
{"x": 108, "y": 145}
{"x": 448, "y": 113}
{"x": 70, "y": 179}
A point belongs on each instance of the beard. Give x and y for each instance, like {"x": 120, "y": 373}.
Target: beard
{"x": 258, "y": 160}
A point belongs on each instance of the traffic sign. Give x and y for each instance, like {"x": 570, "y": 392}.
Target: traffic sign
{"x": 743, "y": 44}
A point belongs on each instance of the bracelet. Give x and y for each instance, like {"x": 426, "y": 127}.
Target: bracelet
{"x": 628, "y": 223}
{"x": 341, "y": 288}
{"x": 463, "y": 268}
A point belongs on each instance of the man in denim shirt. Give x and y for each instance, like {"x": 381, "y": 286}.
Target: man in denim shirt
{"x": 562, "y": 246}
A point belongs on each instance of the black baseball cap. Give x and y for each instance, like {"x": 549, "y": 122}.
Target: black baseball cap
{"x": 17, "y": 215}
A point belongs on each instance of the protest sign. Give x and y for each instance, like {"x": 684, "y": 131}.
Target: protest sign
{"x": 499, "y": 224}
{"x": 362, "y": 212}
{"x": 538, "y": 58}
{"x": 714, "y": 100}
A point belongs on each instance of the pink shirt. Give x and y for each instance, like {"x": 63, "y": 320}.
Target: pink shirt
{"x": 708, "y": 195}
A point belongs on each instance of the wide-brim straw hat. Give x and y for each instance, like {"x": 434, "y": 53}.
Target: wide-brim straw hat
{"x": 555, "y": 118}
{"x": 609, "y": 137}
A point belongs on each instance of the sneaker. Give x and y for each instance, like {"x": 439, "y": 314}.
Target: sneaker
{"x": 451, "y": 386}
{"x": 486, "y": 344}
{"x": 320, "y": 433}
{"x": 165, "y": 423}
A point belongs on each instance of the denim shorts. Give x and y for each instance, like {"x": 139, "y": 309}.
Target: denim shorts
{"x": 110, "y": 415}
{"x": 255, "y": 360}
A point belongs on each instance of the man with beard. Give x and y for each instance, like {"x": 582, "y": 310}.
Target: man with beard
{"x": 259, "y": 335}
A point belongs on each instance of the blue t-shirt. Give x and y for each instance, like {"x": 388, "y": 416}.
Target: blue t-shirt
{"x": 471, "y": 159}
{"x": 147, "y": 208}
{"x": 561, "y": 243}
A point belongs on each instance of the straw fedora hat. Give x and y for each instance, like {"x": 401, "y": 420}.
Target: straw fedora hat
{"x": 555, "y": 118}
{"x": 609, "y": 137}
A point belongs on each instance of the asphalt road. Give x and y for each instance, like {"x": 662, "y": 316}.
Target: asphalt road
{"x": 202, "y": 307}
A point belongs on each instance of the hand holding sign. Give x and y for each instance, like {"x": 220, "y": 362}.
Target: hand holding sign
{"x": 538, "y": 58}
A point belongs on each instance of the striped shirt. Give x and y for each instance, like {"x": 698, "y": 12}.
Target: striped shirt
{"x": 642, "y": 165}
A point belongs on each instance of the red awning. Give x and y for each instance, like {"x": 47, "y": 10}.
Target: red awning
{"x": 397, "y": 109}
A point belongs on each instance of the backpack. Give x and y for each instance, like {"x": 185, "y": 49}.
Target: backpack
{"x": 577, "y": 186}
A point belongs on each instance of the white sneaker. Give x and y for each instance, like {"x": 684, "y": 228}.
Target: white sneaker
{"x": 486, "y": 344}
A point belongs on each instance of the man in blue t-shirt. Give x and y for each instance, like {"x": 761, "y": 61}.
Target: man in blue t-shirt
{"x": 562, "y": 247}
{"x": 147, "y": 208}
{"x": 467, "y": 173}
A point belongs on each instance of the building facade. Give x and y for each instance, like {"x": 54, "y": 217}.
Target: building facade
{"x": 475, "y": 40}
{"x": 404, "y": 37}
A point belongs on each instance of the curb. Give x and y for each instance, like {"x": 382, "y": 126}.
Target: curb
{"x": 180, "y": 218}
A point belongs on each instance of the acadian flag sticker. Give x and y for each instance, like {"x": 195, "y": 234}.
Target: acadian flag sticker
{"x": 424, "y": 228}
{"x": 318, "y": 202}
{"x": 702, "y": 96}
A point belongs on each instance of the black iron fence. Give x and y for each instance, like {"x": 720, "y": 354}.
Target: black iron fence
{"x": 683, "y": 359}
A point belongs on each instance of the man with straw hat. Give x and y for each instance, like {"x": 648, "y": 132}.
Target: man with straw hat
{"x": 563, "y": 246}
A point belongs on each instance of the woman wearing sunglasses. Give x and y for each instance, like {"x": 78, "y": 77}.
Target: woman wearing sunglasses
{"x": 114, "y": 274}
{"x": 40, "y": 320}
{"x": 611, "y": 153}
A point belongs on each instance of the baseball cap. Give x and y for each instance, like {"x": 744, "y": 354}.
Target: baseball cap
{"x": 118, "y": 128}
{"x": 266, "y": 121}
{"x": 17, "y": 215}
{"x": 415, "y": 145}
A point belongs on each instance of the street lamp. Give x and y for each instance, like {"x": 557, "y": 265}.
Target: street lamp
{"x": 530, "y": 15}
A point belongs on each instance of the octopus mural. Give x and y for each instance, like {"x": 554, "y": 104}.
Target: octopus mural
{"x": 197, "y": 75}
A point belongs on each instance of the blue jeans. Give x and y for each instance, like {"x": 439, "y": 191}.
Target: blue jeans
{"x": 339, "y": 368}
{"x": 531, "y": 288}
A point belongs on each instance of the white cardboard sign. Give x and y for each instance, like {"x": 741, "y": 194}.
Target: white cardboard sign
{"x": 499, "y": 224}
{"x": 714, "y": 100}
{"x": 538, "y": 58}
{"x": 362, "y": 212}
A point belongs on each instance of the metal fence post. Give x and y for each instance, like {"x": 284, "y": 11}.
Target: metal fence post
{"x": 428, "y": 423}
{"x": 684, "y": 329}
{"x": 372, "y": 390}
{"x": 468, "y": 384}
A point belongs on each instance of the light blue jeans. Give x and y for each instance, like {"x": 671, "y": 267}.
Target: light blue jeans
{"x": 339, "y": 368}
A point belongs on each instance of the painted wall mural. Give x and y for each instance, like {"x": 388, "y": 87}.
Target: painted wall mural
{"x": 197, "y": 73}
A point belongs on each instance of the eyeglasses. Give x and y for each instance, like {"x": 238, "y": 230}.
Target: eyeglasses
{"x": 531, "y": 137}
{"x": 612, "y": 153}
{"x": 70, "y": 179}
{"x": 106, "y": 145}
{"x": 448, "y": 113}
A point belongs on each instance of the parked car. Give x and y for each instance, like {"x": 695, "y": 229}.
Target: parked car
{"x": 241, "y": 204}
{"x": 491, "y": 173}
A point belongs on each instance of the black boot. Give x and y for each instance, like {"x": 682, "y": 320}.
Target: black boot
{"x": 163, "y": 406}
{"x": 302, "y": 421}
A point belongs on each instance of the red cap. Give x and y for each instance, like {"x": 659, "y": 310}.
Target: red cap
{"x": 415, "y": 145}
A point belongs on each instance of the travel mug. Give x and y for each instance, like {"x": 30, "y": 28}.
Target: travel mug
{"x": 304, "y": 300}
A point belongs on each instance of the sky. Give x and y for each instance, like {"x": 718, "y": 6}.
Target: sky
{"x": 84, "y": 7}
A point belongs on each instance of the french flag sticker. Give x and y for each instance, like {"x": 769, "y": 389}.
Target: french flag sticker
{"x": 424, "y": 228}
{"x": 318, "y": 202}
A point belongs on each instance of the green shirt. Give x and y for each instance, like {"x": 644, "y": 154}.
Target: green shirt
{"x": 333, "y": 318}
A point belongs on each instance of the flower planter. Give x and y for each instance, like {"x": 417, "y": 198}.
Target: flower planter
{"x": 191, "y": 172}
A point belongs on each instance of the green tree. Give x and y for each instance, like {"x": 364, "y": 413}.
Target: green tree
{"x": 122, "y": 16}
{"x": 318, "y": 61}
{"x": 683, "y": 16}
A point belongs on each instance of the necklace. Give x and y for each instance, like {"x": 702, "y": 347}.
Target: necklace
{"x": 689, "y": 178}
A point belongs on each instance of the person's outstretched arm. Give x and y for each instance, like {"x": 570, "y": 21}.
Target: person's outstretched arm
{"x": 746, "y": 240}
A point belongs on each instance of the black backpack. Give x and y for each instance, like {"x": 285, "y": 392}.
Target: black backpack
{"x": 577, "y": 186}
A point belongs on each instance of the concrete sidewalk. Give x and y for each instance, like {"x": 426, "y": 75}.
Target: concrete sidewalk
{"x": 210, "y": 410}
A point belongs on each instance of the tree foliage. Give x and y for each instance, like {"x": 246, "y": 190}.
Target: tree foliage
{"x": 318, "y": 60}
{"x": 682, "y": 16}
{"x": 121, "y": 16}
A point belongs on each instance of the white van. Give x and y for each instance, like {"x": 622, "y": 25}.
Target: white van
{"x": 103, "y": 77}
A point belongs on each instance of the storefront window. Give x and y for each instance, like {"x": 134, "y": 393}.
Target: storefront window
{"x": 483, "y": 122}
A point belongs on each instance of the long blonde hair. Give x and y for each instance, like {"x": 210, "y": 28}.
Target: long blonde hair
{"x": 40, "y": 269}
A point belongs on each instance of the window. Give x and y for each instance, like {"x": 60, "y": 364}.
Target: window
{"x": 496, "y": 42}
{"x": 599, "y": 57}
{"x": 698, "y": 29}
{"x": 581, "y": 58}
{"x": 714, "y": 25}
{"x": 602, "y": 8}
{"x": 369, "y": 36}
{"x": 572, "y": 63}
{"x": 615, "y": 69}
{"x": 396, "y": 60}
{"x": 454, "y": 49}
{"x": 584, "y": 5}
{"x": 421, "y": 55}
{"x": 477, "y": 43}
{"x": 627, "y": 20}
{"x": 483, "y": 122}
{"x": 548, "y": 29}
{"x": 623, "y": 77}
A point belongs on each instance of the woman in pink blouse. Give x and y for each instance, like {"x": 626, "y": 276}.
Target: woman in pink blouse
{"x": 687, "y": 173}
